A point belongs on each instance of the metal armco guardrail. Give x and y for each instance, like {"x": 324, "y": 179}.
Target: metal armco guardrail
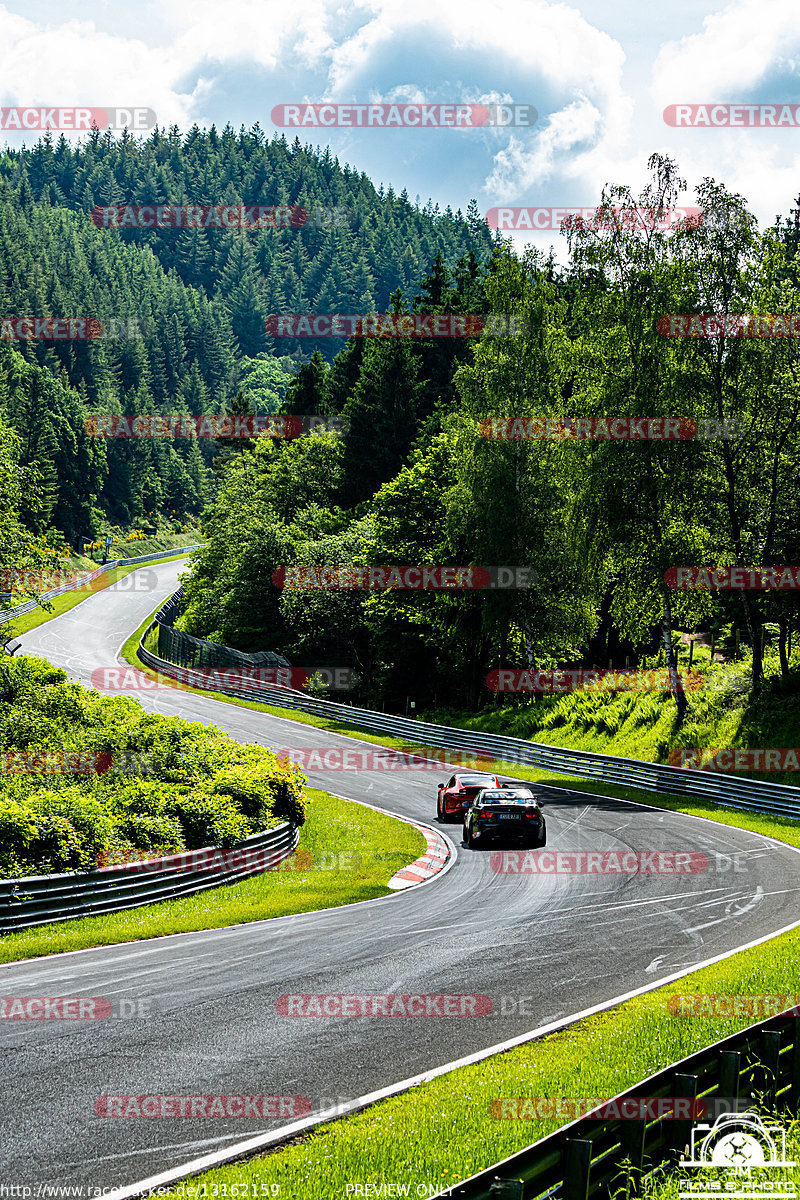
{"x": 80, "y": 581}
{"x": 751, "y": 794}
{"x": 187, "y": 651}
{"x": 44, "y": 899}
{"x": 586, "y": 1158}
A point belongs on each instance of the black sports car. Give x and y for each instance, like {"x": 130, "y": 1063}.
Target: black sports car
{"x": 506, "y": 812}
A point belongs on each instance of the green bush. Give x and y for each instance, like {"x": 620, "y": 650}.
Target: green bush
{"x": 172, "y": 784}
{"x": 57, "y": 846}
{"x": 17, "y": 831}
{"x": 264, "y": 791}
{"x": 209, "y": 820}
{"x": 74, "y": 827}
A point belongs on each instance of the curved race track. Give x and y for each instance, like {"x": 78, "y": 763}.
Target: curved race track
{"x": 558, "y": 944}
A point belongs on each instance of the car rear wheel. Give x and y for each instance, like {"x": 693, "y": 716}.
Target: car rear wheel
{"x": 468, "y": 838}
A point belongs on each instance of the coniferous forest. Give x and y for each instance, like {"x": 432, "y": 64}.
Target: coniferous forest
{"x": 411, "y": 478}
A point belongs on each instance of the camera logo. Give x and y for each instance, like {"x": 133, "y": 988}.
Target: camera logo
{"x": 737, "y": 1143}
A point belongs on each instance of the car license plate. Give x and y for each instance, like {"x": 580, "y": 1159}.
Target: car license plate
{"x": 509, "y": 816}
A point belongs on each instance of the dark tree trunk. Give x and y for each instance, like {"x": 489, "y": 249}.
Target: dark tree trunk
{"x": 675, "y": 683}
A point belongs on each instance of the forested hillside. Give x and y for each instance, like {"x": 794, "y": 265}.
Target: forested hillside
{"x": 418, "y": 478}
{"x": 198, "y": 298}
{"x": 415, "y": 476}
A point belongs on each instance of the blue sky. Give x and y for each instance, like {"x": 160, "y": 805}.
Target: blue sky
{"x": 599, "y": 74}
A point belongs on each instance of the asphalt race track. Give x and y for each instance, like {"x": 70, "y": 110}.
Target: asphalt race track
{"x": 542, "y": 947}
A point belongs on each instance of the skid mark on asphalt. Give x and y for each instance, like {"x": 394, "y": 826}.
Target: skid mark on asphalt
{"x": 754, "y": 902}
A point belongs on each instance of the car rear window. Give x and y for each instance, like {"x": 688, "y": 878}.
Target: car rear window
{"x": 472, "y": 780}
{"x": 508, "y": 798}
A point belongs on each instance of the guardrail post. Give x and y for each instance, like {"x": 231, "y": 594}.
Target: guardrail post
{"x": 506, "y": 1189}
{"x": 577, "y": 1168}
{"x": 730, "y": 1064}
{"x": 685, "y": 1087}
{"x": 632, "y": 1138}
{"x": 770, "y": 1058}
{"x": 794, "y": 1079}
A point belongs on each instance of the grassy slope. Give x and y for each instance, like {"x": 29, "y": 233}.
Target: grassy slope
{"x": 644, "y": 725}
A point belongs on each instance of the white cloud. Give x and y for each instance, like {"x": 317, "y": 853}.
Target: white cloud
{"x": 737, "y": 50}
{"x": 75, "y": 63}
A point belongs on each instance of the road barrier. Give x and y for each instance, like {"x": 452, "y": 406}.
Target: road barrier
{"x": 730, "y": 791}
{"x": 187, "y": 651}
{"x": 9, "y": 614}
{"x": 44, "y": 899}
{"x": 594, "y": 1157}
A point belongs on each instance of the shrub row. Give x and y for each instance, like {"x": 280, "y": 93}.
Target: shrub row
{"x": 88, "y": 778}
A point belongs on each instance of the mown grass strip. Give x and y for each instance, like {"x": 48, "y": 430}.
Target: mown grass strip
{"x": 443, "y": 1131}
{"x": 353, "y": 851}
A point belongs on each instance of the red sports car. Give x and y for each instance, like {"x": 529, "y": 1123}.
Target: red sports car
{"x": 455, "y": 796}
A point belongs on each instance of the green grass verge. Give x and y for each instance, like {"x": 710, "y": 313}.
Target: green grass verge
{"x": 70, "y": 600}
{"x": 353, "y": 850}
{"x": 443, "y": 1131}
